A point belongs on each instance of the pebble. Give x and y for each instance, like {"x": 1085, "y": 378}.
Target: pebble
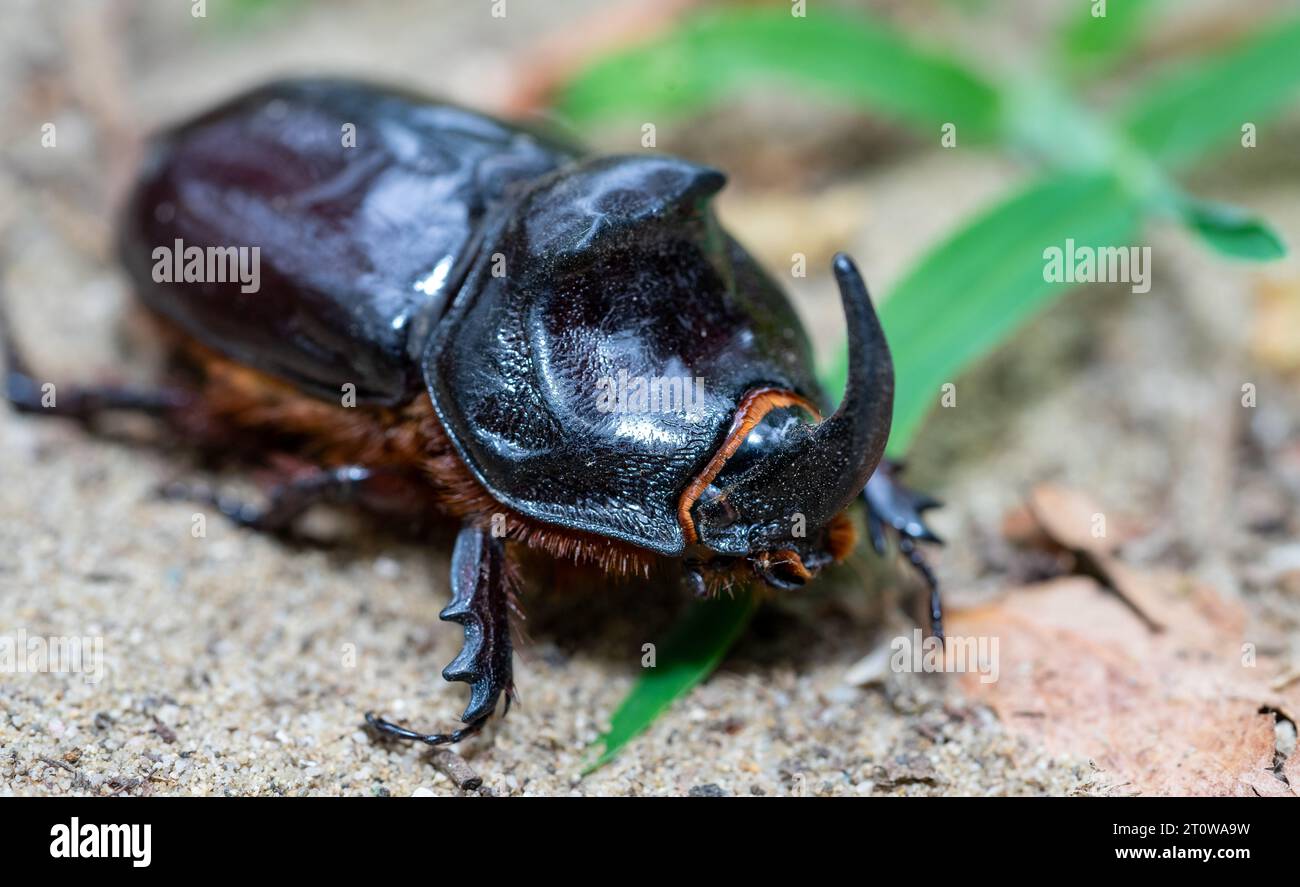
{"x": 387, "y": 568}
{"x": 709, "y": 790}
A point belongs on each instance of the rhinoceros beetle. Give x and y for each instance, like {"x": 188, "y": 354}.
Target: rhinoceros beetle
{"x": 443, "y": 308}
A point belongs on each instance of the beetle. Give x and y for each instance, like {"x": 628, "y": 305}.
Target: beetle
{"x": 474, "y": 286}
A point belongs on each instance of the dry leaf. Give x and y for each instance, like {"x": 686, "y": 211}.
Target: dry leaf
{"x": 1020, "y": 527}
{"x": 1168, "y": 713}
{"x": 1064, "y": 518}
{"x": 1070, "y": 518}
{"x": 1275, "y": 331}
{"x": 1132, "y": 585}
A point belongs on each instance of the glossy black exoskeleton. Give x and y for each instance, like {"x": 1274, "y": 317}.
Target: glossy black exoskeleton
{"x": 607, "y": 365}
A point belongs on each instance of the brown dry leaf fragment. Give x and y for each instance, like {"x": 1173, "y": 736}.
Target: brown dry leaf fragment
{"x": 1169, "y": 713}
{"x": 1020, "y": 527}
{"x": 1132, "y": 585}
{"x": 1074, "y": 521}
{"x": 1274, "y": 341}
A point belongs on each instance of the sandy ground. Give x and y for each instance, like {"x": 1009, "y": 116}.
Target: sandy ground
{"x": 235, "y": 664}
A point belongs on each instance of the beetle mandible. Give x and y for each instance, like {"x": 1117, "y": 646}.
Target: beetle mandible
{"x": 471, "y": 283}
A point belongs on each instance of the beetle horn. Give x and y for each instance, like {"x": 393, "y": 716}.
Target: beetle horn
{"x": 821, "y": 468}
{"x": 844, "y": 450}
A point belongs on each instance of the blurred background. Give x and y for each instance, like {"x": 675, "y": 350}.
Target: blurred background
{"x": 943, "y": 143}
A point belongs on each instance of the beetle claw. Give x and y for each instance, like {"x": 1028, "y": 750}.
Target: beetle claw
{"x": 397, "y": 731}
{"x": 891, "y": 504}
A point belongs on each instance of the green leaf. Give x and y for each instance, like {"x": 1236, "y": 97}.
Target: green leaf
{"x": 1206, "y": 103}
{"x": 693, "y": 649}
{"x": 715, "y": 54}
{"x": 233, "y": 16}
{"x": 1092, "y": 41}
{"x": 1232, "y": 231}
{"x": 976, "y": 288}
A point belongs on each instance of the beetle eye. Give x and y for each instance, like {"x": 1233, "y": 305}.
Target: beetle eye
{"x": 765, "y": 438}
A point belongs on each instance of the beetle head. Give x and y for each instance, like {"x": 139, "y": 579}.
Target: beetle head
{"x": 779, "y": 493}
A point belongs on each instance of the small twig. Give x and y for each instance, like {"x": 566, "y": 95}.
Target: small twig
{"x": 165, "y": 732}
{"x": 53, "y": 763}
{"x": 1283, "y": 681}
{"x": 453, "y": 766}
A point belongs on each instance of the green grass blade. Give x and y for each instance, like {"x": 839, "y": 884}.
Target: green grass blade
{"x": 975, "y": 289}
{"x": 693, "y": 649}
{"x": 1206, "y": 103}
{"x": 1091, "y": 42}
{"x": 238, "y": 15}
{"x": 1232, "y": 231}
{"x": 714, "y": 54}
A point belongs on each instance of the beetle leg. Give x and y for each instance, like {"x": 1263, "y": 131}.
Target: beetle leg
{"x": 480, "y": 601}
{"x": 287, "y": 502}
{"x": 396, "y": 731}
{"x": 891, "y": 504}
{"x": 82, "y": 402}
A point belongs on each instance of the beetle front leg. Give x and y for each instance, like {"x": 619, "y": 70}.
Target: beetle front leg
{"x": 892, "y": 504}
{"x": 481, "y": 602}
